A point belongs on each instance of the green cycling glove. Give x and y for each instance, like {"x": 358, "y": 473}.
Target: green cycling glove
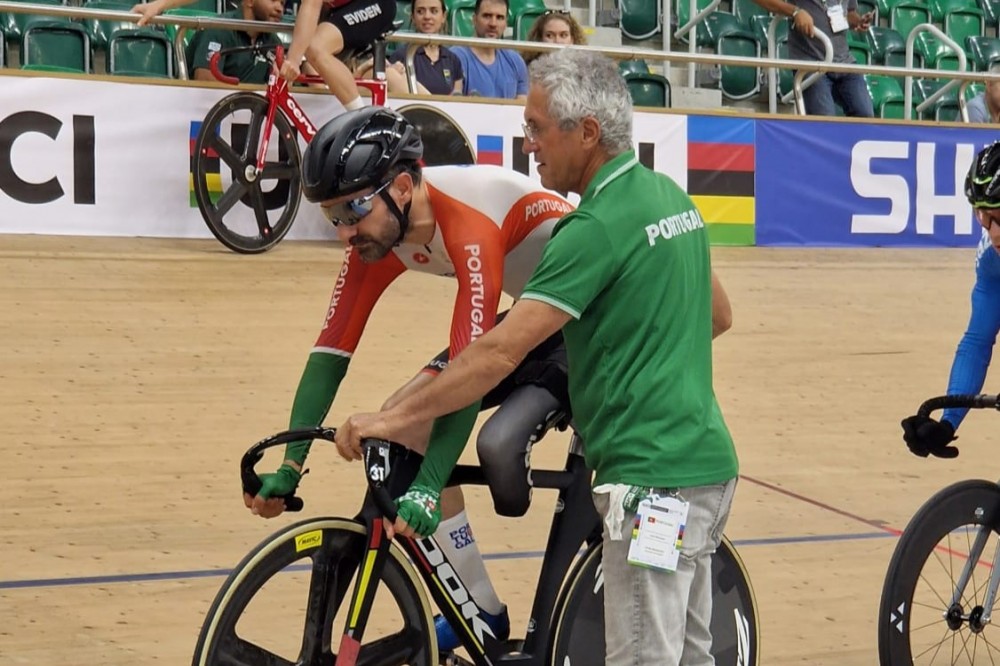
{"x": 420, "y": 507}
{"x": 280, "y": 483}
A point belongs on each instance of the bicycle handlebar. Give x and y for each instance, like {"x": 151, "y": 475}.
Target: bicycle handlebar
{"x": 378, "y": 455}
{"x": 275, "y": 54}
{"x": 969, "y": 401}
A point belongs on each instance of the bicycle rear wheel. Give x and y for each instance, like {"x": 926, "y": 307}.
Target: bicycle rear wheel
{"x": 578, "y": 638}
{"x": 286, "y": 603}
{"x": 924, "y": 618}
{"x": 239, "y": 211}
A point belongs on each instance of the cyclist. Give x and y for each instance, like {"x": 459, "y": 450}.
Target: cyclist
{"x": 323, "y": 28}
{"x": 483, "y": 226}
{"x": 923, "y": 435}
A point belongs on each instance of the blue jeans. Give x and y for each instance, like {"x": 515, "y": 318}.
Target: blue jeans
{"x": 654, "y": 617}
{"x": 848, "y": 91}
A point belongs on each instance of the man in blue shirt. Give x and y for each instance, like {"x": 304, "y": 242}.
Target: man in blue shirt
{"x": 985, "y": 107}
{"x": 492, "y": 72}
{"x": 922, "y": 434}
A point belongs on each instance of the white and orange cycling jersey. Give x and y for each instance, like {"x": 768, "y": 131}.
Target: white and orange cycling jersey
{"x": 492, "y": 224}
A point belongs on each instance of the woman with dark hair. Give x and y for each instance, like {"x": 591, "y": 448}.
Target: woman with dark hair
{"x": 555, "y": 27}
{"x": 437, "y": 68}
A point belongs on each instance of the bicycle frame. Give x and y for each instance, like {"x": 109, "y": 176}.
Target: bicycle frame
{"x": 575, "y": 522}
{"x": 279, "y": 97}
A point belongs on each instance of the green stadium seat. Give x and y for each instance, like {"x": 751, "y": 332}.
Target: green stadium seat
{"x": 524, "y": 20}
{"x": 959, "y": 24}
{"x": 859, "y": 47}
{"x": 517, "y": 7}
{"x": 404, "y": 13}
{"x": 991, "y": 12}
{"x": 213, "y": 6}
{"x": 717, "y": 25}
{"x": 983, "y": 51}
{"x": 140, "y": 52}
{"x": 746, "y": 11}
{"x": 640, "y": 19}
{"x": 99, "y": 29}
{"x": 55, "y": 46}
{"x": 461, "y": 19}
{"x": 887, "y": 46}
{"x": 648, "y": 89}
{"x": 933, "y": 53}
{"x": 886, "y": 94}
{"x": 760, "y": 26}
{"x": 683, "y": 9}
{"x": 905, "y": 16}
{"x": 739, "y": 82}
{"x": 941, "y": 8}
{"x": 13, "y": 25}
{"x": 637, "y": 66}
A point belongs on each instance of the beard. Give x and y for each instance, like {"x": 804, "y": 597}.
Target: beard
{"x": 374, "y": 248}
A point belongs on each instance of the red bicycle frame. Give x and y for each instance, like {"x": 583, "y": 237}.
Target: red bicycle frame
{"x": 278, "y": 96}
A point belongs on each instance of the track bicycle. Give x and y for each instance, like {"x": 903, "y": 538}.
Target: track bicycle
{"x": 940, "y": 589}
{"x": 322, "y": 574}
{"x": 233, "y": 154}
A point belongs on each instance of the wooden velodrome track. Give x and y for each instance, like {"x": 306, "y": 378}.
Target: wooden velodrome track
{"x": 136, "y": 371}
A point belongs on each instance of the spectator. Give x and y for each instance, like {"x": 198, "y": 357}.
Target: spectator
{"x": 244, "y": 65}
{"x": 438, "y": 70}
{"x": 834, "y": 18}
{"x": 492, "y": 72}
{"x": 985, "y": 107}
{"x": 554, "y": 27}
{"x": 322, "y": 31}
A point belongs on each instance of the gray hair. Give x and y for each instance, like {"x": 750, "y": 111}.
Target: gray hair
{"x": 583, "y": 83}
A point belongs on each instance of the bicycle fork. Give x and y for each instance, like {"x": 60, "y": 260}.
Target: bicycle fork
{"x": 979, "y": 616}
{"x": 369, "y": 574}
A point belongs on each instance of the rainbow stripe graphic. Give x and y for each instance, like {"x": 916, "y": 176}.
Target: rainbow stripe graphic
{"x": 721, "y": 176}
{"x": 213, "y": 175}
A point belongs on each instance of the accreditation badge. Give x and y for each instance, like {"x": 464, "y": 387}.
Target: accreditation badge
{"x": 657, "y": 532}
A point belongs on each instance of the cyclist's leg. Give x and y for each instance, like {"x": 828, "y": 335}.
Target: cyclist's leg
{"x": 663, "y": 604}
{"x": 356, "y": 24}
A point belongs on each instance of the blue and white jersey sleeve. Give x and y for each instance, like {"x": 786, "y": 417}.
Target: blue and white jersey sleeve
{"x": 972, "y": 358}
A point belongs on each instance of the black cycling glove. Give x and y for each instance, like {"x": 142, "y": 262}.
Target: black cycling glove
{"x": 924, "y": 436}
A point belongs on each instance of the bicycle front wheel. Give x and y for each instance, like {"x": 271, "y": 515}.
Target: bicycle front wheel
{"x": 247, "y": 211}
{"x": 934, "y": 596}
{"x": 578, "y": 637}
{"x": 286, "y": 603}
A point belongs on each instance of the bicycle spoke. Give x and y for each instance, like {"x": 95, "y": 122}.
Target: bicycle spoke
{"x": 279, "y": 171}
{"x": 395, "y": 649}
{"x": 239, "y": 652}
{"x": 937, "y": 645}
{"x": 226, "y": 153}
{"x": 230, "y": 197}
{"x": 260, "y": 211}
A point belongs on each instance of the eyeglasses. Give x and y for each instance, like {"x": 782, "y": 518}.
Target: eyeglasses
{"x": 352, "y": 211}
{"x": 560, "y": 12}
{"x": 530, "y": 132}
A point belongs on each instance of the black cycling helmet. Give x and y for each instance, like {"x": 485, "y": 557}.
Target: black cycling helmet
{"x": 982, "y": 185}
{"x": 356, "y": 150}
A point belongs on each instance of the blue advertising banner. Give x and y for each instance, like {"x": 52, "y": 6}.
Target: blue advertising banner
{"x": 845, "y": 184}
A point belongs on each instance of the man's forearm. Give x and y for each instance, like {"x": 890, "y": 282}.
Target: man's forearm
{"x": 466, "y": 380}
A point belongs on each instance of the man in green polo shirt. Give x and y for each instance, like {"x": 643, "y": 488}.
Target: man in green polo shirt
{"x": 244, "y": 65}
{"x": 627, "y": 277}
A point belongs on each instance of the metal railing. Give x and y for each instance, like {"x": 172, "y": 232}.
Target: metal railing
{"x": 962, "y": 65}
{"x": 803, "y": 67}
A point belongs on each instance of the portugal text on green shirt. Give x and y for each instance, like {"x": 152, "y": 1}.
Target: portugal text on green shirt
{"x": 631, "y": 265}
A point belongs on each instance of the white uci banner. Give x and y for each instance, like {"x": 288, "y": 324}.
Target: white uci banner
{"x": 104, "y": 158}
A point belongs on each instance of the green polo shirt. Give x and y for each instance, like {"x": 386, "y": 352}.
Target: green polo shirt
{"x": 243, "y": 65}
{"x": 631, "y": 266}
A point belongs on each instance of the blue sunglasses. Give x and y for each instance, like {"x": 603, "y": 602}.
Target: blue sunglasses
{"x": 352, "y": 211}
